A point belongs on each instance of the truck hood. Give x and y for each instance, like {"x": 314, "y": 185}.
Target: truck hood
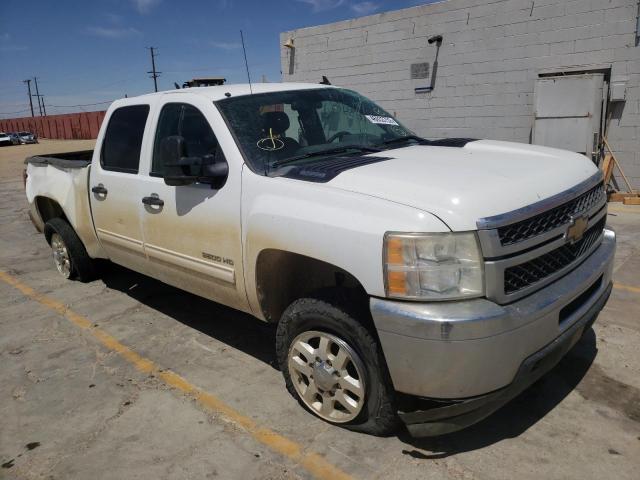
{"x": 462, "y": 185}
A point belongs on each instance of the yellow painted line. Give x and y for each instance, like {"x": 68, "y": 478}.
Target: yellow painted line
{"x": 628, "y": 288}
{"x": 314, "y": 463}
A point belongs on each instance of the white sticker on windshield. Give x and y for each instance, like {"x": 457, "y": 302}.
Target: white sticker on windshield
{"x": 382, "y": 120}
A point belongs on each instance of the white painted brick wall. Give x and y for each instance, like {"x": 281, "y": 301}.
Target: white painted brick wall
{"x": 491, "y": 55}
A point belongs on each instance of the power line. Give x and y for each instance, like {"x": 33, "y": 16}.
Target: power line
{"x": 12, "y": 113}
{"x": 153, "y": 72}
{"x": 59, "y": 106}
{"x": 81, "y": 105}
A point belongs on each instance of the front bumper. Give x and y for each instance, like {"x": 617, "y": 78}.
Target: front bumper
{"x": 477, "y": 355}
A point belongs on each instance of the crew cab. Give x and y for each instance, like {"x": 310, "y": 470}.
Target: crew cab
{"x": 415, "y": 281}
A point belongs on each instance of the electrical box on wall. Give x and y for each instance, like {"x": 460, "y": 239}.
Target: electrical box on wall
{"x": 419, "y": 70}
{"x": 618, "y": 89}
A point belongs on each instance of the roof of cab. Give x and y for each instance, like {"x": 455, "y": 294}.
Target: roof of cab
{"x": 236, "y": 90}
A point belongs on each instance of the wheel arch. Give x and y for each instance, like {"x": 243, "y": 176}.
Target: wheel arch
{"x": 283, "y": 277}
{"x": 47, "y": 209}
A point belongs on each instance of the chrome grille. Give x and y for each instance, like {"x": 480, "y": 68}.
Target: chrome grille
{"x": 518, "y": 277}
{"x": 528, "y": 248}
{"x": 546, "y": 221}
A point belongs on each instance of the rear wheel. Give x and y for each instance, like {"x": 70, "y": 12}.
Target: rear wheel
{"x": 333, "y": 366}
{"x": 69, "y": 255}
{"x": 61, "y": 257}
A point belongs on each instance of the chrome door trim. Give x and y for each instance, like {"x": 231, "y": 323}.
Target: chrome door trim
{"x": 191, "y": 264}
{"x": 120, "y": 241}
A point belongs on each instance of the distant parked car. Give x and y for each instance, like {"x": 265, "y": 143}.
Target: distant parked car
{"x": 27, "y": 137}
{"x": 5, "y": 139}
{"x": 15, "y": 138}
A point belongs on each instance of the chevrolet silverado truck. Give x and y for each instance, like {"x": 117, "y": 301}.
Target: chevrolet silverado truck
{"x": 415, "y": 281}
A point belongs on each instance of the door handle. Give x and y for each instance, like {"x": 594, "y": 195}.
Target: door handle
{"x": 100, "y": 190}
{"x": 153, "y": 200}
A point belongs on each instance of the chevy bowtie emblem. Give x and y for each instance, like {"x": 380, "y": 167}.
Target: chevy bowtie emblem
{"x": 576, "y": 229}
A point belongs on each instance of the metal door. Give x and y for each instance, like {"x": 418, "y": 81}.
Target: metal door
{"x": 568, "y": 111}
{"x": 192, "y": 232}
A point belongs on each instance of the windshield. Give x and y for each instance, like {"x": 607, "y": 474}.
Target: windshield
{"x": 306, "y": 126}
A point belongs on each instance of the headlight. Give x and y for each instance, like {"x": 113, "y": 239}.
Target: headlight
{"x": 433, "y": 266}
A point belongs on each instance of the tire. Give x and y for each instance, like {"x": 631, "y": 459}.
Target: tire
{"x": 309, "y": 317}
{"x": 80, "y": 265}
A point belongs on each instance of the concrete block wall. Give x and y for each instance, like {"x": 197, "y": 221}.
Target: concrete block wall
{"x": 490, "y": 57}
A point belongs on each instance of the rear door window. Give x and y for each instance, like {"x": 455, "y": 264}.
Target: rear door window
{"x": 123, "y": 139}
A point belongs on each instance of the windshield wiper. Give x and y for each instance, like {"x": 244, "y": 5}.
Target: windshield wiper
{"x": 406, "y": 138}
{"x": 328, "y": 151}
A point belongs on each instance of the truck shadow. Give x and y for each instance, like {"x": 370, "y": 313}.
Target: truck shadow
{"x": 256, "y": 338}
{"x": 235, "y": 329}
{"x": 517, "y": 416}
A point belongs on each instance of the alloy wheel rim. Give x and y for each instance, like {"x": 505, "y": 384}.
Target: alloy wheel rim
{"x": 61, "y": 255}
{"x": 328, "y": 375}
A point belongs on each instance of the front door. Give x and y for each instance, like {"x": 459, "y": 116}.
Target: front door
{"x": 192, "y": 232}
{"x": 114, "y": 187}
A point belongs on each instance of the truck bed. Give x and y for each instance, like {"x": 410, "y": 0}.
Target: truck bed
{"x": 62, "y": 179}
{"x": 79, "y": 159}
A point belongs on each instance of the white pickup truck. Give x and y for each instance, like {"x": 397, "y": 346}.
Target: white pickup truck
{"x": 427, "y": 281}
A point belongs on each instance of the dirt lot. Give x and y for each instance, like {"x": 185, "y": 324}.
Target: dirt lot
{"x": 126, "y": 377}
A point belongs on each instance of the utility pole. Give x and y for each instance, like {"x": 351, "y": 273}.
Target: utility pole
{"x": 153, "y": 72}
{"x": 37, "y": 95}
{"x": 43, "y": 107}
{"x": 28, "y": 82}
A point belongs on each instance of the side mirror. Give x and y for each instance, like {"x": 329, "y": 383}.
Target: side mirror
{"x": 172, "y": 149}
{"x": 181, "y": 170}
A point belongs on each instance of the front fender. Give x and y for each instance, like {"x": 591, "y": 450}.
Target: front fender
{"x": 341, "y": 228}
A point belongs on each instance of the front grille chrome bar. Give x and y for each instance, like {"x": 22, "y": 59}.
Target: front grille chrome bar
{"x": 523, "y": 213}
{"x": 501, "y": 261}
{"x": 495, "y": 269}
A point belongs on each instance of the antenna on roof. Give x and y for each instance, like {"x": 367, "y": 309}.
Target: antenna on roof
{"x": 246, "y": 64}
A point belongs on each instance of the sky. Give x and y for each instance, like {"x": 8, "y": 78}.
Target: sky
{"x": 87, "y": 52}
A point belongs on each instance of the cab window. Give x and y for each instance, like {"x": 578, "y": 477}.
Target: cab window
{"x": 123, "y": 139}
{"x": 188, "y": 122}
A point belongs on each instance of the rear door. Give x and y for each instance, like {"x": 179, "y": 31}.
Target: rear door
{"x": 192, "y": 232}
{"x": 114, "y": 187}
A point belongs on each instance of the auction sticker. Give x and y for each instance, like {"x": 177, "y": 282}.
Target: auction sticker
{"x": 381, "y": 120}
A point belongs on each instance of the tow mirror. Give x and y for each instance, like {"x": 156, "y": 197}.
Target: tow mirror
{"x": 182, "y": 170}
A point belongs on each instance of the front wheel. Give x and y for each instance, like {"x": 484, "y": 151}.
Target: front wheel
{"x": 334, "y": 367}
